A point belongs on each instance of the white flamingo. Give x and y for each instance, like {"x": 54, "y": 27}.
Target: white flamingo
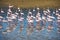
{"x": 30, "y": 19}
{"x": 21, "y": 19}
{"x": 10, "y": 6}
{"x": 38, "y": 19}
{"x": 50, "y": 27}
{"x": 2, "y": 11}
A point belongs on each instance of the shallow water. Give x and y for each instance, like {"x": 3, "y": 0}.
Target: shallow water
{"x": 41, "y": 35}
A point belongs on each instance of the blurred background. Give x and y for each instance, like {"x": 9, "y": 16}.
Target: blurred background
{"x": 31, "y": 3}
{"x": 29, "y": 19}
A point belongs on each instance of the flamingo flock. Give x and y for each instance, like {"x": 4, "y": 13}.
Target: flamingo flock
{"x": 43, "y": 20}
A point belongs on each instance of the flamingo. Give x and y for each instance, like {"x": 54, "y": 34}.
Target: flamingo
{"x": 10, "y": 6}
{"x": 30, "y": 23}
{"x": 38, "y": 19}
{"x": 2, "y": 11}
{"x": 21, "y": 19}
{"x": 50, "y": 27}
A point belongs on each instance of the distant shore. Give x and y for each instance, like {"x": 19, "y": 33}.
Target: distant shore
{"x": 31, "y": 3}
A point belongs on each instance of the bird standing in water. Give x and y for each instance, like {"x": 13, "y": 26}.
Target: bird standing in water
{"x": 38, "y": 19}
{"x": 21, "y": 19}
{"x": 58, "y": 23}
{"x": 30, "y": 23}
